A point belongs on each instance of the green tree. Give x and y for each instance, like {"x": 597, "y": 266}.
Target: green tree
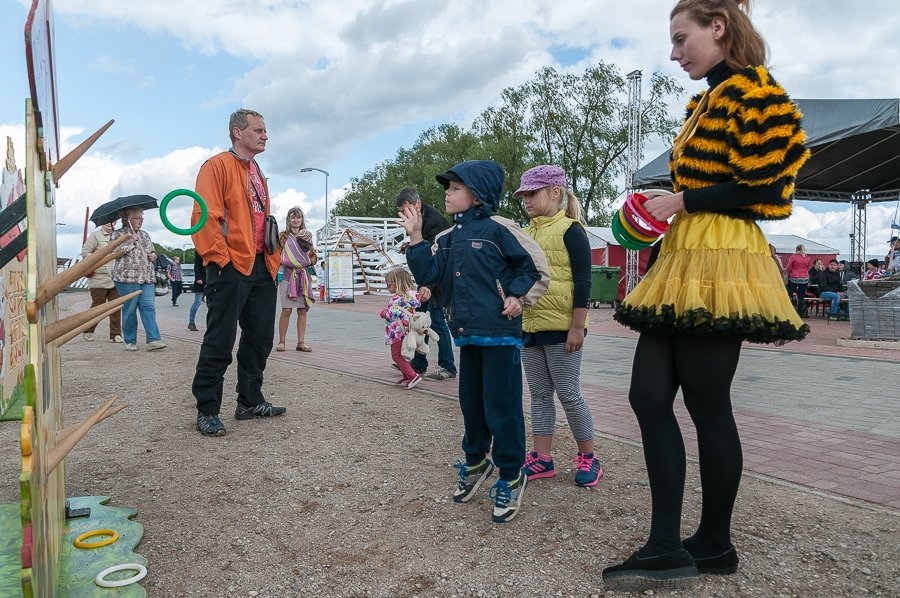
{"x": 374, "y": 194}
{"x": 578, "y": 122}
{"x": 186, "y": 255}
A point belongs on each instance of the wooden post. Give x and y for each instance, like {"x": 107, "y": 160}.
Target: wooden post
{"x": 56, "y": 329}
{"x": 66, "y": 337}
{"x": 53, "y": 286}
{"x": 59, "y": 452}
{"x": 65, "y": 163}
{"x": 66, "y": 431}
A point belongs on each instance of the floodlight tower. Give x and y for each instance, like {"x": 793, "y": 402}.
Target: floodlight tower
{"x": 633, "y": 156}
{"x": 858, "y": 236}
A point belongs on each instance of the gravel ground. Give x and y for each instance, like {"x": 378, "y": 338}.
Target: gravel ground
{"x": 348, "y": 495}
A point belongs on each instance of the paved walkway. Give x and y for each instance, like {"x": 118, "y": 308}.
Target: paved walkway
{"x": 811, "y": 413}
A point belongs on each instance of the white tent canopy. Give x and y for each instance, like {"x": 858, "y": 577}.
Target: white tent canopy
{"x": 788, "y": 243}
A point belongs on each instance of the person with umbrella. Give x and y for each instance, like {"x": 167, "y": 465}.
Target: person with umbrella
{"x": 101, "y": 284}
{"x": 135, "y": 271}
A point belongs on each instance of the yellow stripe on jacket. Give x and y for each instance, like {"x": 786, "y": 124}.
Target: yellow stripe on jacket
{"x": 751, "y": 134}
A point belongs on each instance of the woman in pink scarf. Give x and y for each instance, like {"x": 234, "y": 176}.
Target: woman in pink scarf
{"x": 295, "y": 290}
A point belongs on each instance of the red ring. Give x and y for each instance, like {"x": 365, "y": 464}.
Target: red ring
{"x": 635, "y": 202}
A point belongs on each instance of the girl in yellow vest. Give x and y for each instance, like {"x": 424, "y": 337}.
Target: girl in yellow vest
{"x": 554, "y": 328}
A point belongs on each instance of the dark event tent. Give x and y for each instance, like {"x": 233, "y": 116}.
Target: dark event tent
{"x": 855, "y": 146}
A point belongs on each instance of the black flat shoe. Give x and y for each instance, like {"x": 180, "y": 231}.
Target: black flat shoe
{"x": 670, "y": 571}
{"x": 722, "y": 564}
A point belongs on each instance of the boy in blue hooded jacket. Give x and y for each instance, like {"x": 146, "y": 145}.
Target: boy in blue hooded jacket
{"x": 490, "y": 270}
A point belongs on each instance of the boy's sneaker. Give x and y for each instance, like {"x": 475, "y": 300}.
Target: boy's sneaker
{"x": 507, "y": 498}
{"x": 833, "y": 318}
{"x": 156, "y": 345}
{"x": 538, "y": 466}
{"x": 264, "y": 409}
{"x": 413, "y": 382}
{"x": 210, "y": 425}
{"x": 471, "y": 477}
{"x": 130, "y": 347}
{"x": 441, "y": 374}
{"x": 589, "y": 470}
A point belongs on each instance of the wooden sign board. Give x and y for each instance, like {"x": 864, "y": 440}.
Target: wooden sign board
{"x": 340, "y": 276}
{"x": 42, "y": 79}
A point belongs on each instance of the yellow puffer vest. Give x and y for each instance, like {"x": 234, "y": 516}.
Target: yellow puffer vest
{"x": 554, "y": 310}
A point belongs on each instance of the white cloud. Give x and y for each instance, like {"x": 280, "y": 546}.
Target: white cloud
{"x": 332, "y": 76}
{"x": 833, "y": 227}
{"x": 100, "y": 176}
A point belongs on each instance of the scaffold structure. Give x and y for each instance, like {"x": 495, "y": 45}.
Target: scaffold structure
{"x": 635, "y": 145}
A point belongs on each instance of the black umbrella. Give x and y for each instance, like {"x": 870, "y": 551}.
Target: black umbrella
{"x": 111, "y": 210}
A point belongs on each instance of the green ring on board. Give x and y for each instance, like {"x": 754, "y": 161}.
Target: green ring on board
{"x": 165, "y": 204}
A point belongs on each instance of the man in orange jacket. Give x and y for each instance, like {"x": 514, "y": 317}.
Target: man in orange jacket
{"x": 240, "y": 276}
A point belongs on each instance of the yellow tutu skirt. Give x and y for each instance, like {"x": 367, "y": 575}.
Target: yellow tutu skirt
{"x": 714, "y": 275}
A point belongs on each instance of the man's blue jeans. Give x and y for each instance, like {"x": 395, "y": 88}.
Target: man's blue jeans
{"x": 146, "y": 304}
{"x": 446, "y": 359}
{"x": 834, "y": 298}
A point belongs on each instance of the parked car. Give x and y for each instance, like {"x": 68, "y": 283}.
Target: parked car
{"x": 187, "y": 272}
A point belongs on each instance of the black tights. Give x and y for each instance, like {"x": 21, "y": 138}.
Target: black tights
{"x": 703, "y": 366}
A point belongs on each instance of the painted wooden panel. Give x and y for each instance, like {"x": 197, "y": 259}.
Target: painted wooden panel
{"x": 13, "y": 325}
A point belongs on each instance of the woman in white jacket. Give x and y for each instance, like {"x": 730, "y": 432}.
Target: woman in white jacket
{"x": 101, "y": 284}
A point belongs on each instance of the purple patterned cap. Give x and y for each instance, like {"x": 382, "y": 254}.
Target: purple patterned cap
{"x": 540, "y": 177}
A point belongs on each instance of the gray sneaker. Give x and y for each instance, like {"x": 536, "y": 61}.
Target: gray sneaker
{"x": 88, "y": 336}
{"x": 507, "y": 498}
{"x": 130, "y": 347}
{"x": 156, "y": 345}
{"x": 441, "y": 374}
{"x": 471, "y": 477}
{"x": 210, "y": 425}
{"x": 264, "y": 409}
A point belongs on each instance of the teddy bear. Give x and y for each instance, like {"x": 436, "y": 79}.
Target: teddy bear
{"x": 419, "y": 328}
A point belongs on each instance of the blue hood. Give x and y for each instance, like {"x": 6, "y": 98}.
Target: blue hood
{"x": 484, "y": 178}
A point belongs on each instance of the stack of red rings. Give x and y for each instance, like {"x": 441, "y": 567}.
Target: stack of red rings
{"x": 634, "y": 227}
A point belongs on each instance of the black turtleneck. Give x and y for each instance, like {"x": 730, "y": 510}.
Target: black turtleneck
{"x": 731, "y": 195}
{"x": 718, "y": 74}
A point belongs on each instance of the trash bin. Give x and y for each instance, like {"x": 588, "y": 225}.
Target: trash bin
{"x": 604, "y": 285}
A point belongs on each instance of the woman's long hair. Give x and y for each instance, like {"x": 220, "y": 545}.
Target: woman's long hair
{"x": 295, "y": 211}
{"x": 742, "y": 44}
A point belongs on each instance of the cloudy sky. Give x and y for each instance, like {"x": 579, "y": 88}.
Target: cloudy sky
{"x": 344, "y": 84}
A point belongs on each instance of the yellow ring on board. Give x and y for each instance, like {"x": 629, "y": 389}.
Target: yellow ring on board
{"x": 80, "y": 540}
